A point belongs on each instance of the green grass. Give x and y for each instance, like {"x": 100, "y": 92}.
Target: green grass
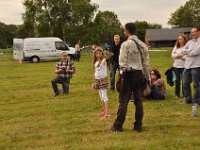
{"x": 32, "y": 119}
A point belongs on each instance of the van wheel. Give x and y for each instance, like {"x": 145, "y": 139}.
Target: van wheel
{"x": 35, "y": 59}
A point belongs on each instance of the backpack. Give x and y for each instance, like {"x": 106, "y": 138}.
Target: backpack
{"x": 170, "y": 76}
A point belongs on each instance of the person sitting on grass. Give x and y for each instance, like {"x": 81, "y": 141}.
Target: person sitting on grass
{"x": 64, "y": 70}
{"x": 157, "y": 85}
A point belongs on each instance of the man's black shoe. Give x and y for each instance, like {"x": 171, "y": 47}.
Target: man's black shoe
{"x": 112, "y": 90}
{"x": 116, "y": 129}
{"x": 56, "y": 95}
{"x": 138, "y": 129}
{"x": 187, "y": 102}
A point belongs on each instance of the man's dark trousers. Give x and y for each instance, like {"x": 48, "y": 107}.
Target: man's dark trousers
{"x": 133, "y": 82}
{"x": 113, "y": 68}
{"x": 65, "y": 84}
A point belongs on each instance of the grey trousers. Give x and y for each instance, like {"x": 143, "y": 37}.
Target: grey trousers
{"x": 65, "y": 84}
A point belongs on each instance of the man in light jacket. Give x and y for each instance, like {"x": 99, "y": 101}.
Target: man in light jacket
{"x": 192, "y": 69}
{"x": 133, "y": 60}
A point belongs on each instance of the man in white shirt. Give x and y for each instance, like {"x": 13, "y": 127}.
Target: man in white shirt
{"x": 192, "y": 68}
{"x": 133, "y": 59}
{"x": 77, "y": 50}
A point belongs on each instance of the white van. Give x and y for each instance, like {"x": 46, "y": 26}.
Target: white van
{"x": 36, "y": 49}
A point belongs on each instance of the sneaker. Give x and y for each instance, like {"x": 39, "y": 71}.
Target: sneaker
{"x": 194, "y": 110}
{"x": 138, "y": 129}
{"x": 194, "y": 115}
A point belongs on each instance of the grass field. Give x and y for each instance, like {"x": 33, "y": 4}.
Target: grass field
{"x": 32, "y": 119}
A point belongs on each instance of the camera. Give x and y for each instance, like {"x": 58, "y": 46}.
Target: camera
{"x": 63, "y": 68}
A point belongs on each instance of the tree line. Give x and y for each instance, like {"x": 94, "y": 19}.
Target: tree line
{"x": 73, "y": 20}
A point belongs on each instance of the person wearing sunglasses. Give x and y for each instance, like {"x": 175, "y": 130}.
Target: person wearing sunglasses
{"x": 157, "y": 85}
{"x": 192, "y": 70}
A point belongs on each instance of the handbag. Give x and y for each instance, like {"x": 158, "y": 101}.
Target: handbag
{"x": 100, "y": 83}
{"x": 95, "y": 85}
{"x": 119, "y": 83}
{"x": 147, "y": 89}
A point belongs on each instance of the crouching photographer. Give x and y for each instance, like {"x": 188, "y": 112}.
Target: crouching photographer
{"x": 64, "y": 70}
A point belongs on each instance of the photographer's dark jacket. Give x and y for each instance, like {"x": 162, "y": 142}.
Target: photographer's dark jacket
{"x": 65, "y": 66}
{"x": 115, "y": 49}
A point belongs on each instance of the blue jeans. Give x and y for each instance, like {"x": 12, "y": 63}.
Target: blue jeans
{"x": 189, "y": 75}
{"x": 156, "y": 93}
{"x": 179, "y": 80}
{"x": 65, "y": 84}
{"x": 113, "y": 68}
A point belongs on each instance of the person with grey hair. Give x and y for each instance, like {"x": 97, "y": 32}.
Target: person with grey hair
{"x": 192, "y": 69}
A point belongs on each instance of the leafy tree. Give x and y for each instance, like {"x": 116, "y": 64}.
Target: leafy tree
{"x": 141, "y": 27}
{"x": 154, "y": 26}
{"x": 79, "y": 27}
{"x": 106, "y": 25}
{"x": 187, "y": 15}
{"x": 46, "y": 17}
{"x": 29, "y": 16}
{"x": 58, "y": 17}
{"x": 7, "y": 32}
{"x": 22, "y": 32}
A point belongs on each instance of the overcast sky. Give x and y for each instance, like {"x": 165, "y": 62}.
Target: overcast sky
{"x": 152, "y": 11}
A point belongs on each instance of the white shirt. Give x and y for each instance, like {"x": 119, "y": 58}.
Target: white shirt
{"x": 77, "y": 47}
{"x": 130, "y": 56}
{"x": 100, "y": 69}
{"x": 192, "y": 52}
{"x": 178, "y": 63}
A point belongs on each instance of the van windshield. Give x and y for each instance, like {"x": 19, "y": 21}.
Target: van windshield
{"x": 61, "y": 46}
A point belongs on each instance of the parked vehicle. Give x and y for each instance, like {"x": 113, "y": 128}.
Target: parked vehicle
{"x": 36, "y": 49}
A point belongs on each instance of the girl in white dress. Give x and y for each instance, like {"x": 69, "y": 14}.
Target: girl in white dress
{"x": 101, "y": 81}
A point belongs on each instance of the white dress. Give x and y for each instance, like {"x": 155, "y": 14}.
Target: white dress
{"x": 100, "y": 69}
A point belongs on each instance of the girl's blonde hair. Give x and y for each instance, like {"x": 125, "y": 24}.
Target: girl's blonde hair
{"x": 98, "y": 49}
{"x": 63, "y": 53}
